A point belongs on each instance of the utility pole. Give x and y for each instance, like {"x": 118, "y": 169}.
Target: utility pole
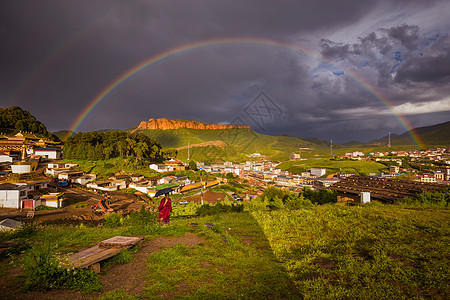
{"x": 188, "y": 152}
{"x": 201, "y": 188}
{"x": 331, "y": 146}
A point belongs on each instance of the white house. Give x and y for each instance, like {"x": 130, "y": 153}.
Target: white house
{"x": 12, "y": 196}
{"x": 70, "y": 174}
{"x": 108, "y": 185}
{"x": 354, "y": 154}
{"x": 5, "y": 158}
{"x": 51, "y": 153}
{"x": 84, "y": 179}
{"x": 53, "y": 199}
{"x": 317, "y": 171}
{"x": 143, "y": 187}
{"x": 161, "y": 168}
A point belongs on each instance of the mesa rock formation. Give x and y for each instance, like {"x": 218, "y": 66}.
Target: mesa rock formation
{"x": 164, "y": 124}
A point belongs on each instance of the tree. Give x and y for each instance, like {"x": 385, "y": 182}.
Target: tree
{"x": 192, "y": 165}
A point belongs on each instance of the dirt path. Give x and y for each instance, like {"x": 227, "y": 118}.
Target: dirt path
{"x": 129, "y": 277}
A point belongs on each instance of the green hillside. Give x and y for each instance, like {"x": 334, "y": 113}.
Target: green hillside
{"x": 346, "y": 166}
{"x": 229, "y": 144}
{"x": 15, "y": 119}
{"x": 431, "y": 135}
{"x": 435, "y": 135}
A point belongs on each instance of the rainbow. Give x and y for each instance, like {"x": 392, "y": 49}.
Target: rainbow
{"x": 225, "y": 41}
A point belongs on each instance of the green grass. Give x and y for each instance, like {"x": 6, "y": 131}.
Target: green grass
{"x": 241, "y": 142}
{"x": 322, "y": 252}
{"x": 370, "y": 252}
{"x": 234, "y": 262}
{"x": 238, "y": 144}
{"x": 352, "y": 166}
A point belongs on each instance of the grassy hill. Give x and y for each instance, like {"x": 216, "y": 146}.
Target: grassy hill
{"x": 435, "y": 135}
{"x": 230, "y": 144}
{"x": 438, "y": 135}
{"x": 235, "y": 144}
{"x": 351, "y": 166}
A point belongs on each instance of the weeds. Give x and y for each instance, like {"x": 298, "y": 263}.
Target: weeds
{"x": 44, "y": 272}
{"x": 25, "y": 231}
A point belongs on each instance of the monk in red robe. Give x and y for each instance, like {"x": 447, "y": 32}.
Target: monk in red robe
{"x": 165, "y": 208}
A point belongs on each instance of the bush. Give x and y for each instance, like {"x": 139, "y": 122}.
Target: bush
{"x": 218, "y": 208}
{"x": 44, "y": 272}
{"x": 439, "y": 198}
{"x": 23, "y": 232}
{"x": 113, "y": 220}
{"x": 141, "y": 218}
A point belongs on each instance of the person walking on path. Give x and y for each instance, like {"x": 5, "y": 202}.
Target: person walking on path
{"x": 165, "y": 208}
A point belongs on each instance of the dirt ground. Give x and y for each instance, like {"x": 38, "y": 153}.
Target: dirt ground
{"x": 129, "y": 277}
{"x": 77, "y": 208}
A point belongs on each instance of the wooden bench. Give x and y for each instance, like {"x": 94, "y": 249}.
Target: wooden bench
{"x": 92, "y": 257}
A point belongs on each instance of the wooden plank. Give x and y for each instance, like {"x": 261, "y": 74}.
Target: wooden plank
{"x": 91, "y": 256}
{"x": 105, "y": 249}
{"x": 120, "y": 241}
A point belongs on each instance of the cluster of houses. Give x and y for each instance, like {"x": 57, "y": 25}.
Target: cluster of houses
{"x": 23, "y": 188}
{"x": 258, "y": 172}
{"x": 439, "y": 156}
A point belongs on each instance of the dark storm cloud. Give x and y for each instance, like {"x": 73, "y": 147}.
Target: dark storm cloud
{"x": 434, "y": 68}
{"x": 57, "y": 56}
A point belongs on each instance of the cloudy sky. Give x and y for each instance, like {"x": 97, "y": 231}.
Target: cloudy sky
{"x": 342, "y": 70}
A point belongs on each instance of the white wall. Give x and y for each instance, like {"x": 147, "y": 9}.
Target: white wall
{"x": 5, "y": 158}
{"x": 10, "y": 198}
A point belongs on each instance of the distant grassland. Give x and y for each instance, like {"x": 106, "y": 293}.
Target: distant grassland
{"x": 350, "y": 166}
{"x": 238, "y": 144}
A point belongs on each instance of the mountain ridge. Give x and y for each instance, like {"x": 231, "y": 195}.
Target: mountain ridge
{"x": 166, "y": 124}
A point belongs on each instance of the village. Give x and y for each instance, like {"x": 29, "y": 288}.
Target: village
{"x": 32, "y": 175}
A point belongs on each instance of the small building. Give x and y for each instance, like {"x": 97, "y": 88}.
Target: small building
{"x": 294, "y": 156}
{"x": 155, "y": 180}
{"x": 84, "y": 179}
{"x": 12, "y": 196}
{"x": 108, "y": 185}
{"x": 6, "y": 158}
{"x": 53, "y": 200}
{"x": 394, "y": 169}
{"x": 51, "y": 153}
{"x": 136, "y": 177}
{"x": 428, "y": 178}
{"x": 70, "y": 175}
{"x": 161, "y": 168}
{"x": 439, "y": 175}
{"x": 317, "y": 171}
{"x": 326, "y": 182}
{"x": 175, "y": 164}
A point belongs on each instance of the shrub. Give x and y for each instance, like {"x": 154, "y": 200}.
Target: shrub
{"x": 218, "y": 208}
{"x": 23, "y": 232}
{"x": 44, "y": 272}
{"x": 113, "y": 220}
{"x": 439, "y": 198}
{"x": 141, "y": 218}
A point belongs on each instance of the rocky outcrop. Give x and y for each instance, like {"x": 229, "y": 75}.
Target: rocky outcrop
{"x": 165, "y": 124}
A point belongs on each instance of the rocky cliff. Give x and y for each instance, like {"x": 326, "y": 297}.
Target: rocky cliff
{"x": 165, "y": 124}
